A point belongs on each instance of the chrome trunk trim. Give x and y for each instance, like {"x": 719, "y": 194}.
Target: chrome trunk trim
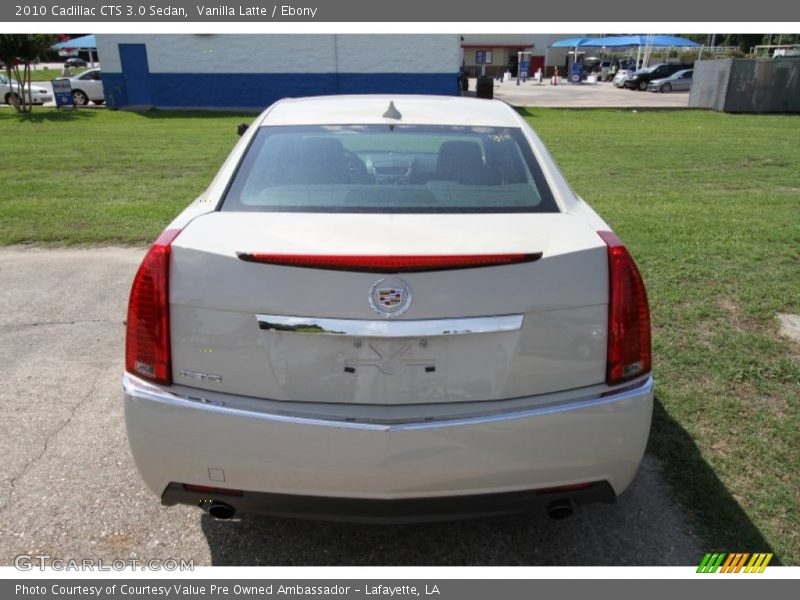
{"x": 421, "y": 328}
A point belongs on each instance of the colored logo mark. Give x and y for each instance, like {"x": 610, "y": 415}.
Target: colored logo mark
{"x": 734, "y": 562}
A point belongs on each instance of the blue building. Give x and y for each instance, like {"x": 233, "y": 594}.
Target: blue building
{"x": 229, "y": 71}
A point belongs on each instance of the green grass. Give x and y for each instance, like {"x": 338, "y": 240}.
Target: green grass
{"x": 97, "y": 176}
{"x": 707, "y": 203}
{"x": 49, "y": 74}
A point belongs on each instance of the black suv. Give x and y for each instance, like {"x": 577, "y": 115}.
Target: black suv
{"x": 641, "y": 78}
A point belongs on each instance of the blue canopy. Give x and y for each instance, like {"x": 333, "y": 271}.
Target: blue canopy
{"x": 85, "y": 42}
{"x": 624, "y": 41}
{"x": 570, "y": 43}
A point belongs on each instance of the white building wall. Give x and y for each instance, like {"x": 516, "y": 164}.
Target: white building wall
{"x": 277, "y": 53}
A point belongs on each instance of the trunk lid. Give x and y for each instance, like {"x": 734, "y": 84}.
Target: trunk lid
{"x": 525, "y": 329}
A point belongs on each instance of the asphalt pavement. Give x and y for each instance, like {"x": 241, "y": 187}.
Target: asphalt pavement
{"x": 585, "y": 95}
{"x": 69, "y": 488}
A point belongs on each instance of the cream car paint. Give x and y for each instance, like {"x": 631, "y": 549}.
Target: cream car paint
{"x": 279, "y": 414}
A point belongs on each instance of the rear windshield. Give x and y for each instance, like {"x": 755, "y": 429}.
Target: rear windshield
{"x": 389, "y": 168}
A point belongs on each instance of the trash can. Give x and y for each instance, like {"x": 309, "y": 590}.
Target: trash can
{"x": 576, "y": 73}
{"x": 485, "y": 88}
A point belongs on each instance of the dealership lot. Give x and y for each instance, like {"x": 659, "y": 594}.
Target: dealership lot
{"x": 70, "y": 488}
{"x": 565, "y": 95}
{"x": 586, "y": 95}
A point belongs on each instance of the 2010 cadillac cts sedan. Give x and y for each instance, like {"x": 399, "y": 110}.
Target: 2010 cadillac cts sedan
{"x": 388, "y": 308}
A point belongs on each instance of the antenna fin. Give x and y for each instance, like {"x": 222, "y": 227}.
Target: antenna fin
{"x": 392, "y": 112}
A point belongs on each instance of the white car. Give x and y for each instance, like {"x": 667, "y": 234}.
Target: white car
{"x": 8, "y": 89}
{"x": 86, "y": 87}
{"x": 620, "y": 77}
{"x": 388, "y": 308}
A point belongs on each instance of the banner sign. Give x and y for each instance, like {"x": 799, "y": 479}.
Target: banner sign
{"x": 62, "y": 90}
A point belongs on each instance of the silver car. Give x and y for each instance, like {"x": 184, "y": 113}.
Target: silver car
{"x": 678, "y": 82}
{"x": 86, "y": 87}
{"x": 9, "y": 89}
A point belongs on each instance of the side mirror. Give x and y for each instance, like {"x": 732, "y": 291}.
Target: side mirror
{"x": 241, "y": 128}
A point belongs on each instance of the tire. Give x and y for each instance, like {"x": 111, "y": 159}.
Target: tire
{"x": 80, "y": 98}
{"x": 666, "y": 88}
{"x": 10, "y": 96}
{"x": 642, "y": 86}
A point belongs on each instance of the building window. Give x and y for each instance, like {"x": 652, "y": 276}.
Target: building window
{"x": 483, "y": 57}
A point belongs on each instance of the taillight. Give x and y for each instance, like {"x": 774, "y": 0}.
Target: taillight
{"x": 147, "y": 347}
{"x": 629, "y": 353}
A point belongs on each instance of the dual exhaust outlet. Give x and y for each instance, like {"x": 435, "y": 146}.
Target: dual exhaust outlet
{"x": 556, "y": 510}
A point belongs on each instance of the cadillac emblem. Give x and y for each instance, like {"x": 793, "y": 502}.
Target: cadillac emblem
{"x": 390, "y": 297}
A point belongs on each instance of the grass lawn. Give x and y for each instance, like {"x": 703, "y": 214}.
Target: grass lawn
{"x": 97, "y": 176}
{"x": 707, "y": 203}
{"x": 48, "y": 74}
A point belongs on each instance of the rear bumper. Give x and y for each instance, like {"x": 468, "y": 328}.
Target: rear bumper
{"x": 345, "y": 470}
{"x": 405, "y": 510}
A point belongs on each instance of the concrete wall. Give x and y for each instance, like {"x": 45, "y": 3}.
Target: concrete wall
{"x": 747, "y": 85}
{"x": 252, "y": 71}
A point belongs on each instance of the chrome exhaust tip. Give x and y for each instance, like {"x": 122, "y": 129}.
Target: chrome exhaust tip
{"x": 560, "y": 509}
{"x": 221, "y": 511}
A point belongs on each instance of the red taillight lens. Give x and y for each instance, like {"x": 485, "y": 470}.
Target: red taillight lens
{"x": 388, "y": 264}
{"x": 147, "y": 348}
{"x": 208, "y": 489}
{"x": 629, "y": 353}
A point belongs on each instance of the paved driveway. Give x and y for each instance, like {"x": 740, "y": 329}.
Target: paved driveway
{"x": 69, "y": 488}
{"x": 599, "y": 95}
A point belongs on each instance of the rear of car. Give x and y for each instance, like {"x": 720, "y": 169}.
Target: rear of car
{"x": 86, "y": 87}
{"x": 388, "y": 309}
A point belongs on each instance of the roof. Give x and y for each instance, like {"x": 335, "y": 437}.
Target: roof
{"x": 86, "y": 42}
{"x": 503, "y": 40}
{"x": 369, "y": 109}
{"x": 624, "y": 41}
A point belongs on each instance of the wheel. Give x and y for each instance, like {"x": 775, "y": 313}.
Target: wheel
{"x": 10, "y": 97}
{"x": 642, "y": 85}
{"x": 666, "y": 88}
{"x": 80, "y": 98}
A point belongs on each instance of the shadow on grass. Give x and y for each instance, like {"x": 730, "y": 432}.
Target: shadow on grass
{"x": 48, "y": 115}
{"x": 721, "y": 524}
{"x": 195, "y": 114}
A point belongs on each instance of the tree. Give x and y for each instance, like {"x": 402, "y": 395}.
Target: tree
{"x": 18, "y": 51}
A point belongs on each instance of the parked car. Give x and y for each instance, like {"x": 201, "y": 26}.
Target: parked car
{"x": 8, "y": 89}
{"x": 388, "y": 308}
{"x": 75, "y": 62}
{"x": 640, "y": 79}
{"x": 620, "y": 77}
{"x": 678, "y": 82}
{"x": 88, "y": 86}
